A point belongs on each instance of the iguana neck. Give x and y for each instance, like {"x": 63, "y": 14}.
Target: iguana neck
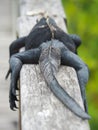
{"x": 51, "y": 27}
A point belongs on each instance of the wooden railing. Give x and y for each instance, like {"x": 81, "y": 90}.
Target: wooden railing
{"x": 39, "y": 108}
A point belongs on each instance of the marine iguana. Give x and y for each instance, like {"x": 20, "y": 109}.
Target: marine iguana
{"x": 49, "y": 46}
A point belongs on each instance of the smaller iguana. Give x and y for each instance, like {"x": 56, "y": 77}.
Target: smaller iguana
{"x": 49, "y": 46}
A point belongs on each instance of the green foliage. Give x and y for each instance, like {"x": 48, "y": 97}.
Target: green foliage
{"x": 82, "y": 16}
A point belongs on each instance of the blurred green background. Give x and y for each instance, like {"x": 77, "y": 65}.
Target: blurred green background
{"x": 82, "y": 18}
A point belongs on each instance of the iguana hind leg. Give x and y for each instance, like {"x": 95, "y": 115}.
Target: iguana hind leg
{"x": 70, "y": 59}
{"x": 16, "y": 62}
{"x": 14, "y": 48}
{"x": 49, "y": 63}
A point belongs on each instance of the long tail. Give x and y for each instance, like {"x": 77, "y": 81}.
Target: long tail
{"x": 49, "y": 62}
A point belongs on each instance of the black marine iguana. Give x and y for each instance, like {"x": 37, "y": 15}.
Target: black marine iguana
{"x": 49, "y": 46}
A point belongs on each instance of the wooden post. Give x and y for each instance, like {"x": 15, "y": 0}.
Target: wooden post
{"x": 40, "y": 109}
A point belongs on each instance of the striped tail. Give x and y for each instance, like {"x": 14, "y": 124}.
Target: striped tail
{"x": 49, "y": 62}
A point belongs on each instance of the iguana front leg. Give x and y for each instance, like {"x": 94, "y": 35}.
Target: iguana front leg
{"x": 76, "y": 39}
{"x": 16, "y": 62}
{"x": 71, "y": 59}
{"x": 16, "y": 45}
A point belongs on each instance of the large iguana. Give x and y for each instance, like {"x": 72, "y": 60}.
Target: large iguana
{"x": 49, "y": 46}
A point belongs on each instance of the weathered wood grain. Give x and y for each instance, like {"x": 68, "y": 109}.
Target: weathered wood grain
{"x": 40, "y": 109}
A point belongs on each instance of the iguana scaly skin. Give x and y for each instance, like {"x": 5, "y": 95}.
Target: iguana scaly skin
{"x": 49, "y": 63}
{"x": 49, "y": 46}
